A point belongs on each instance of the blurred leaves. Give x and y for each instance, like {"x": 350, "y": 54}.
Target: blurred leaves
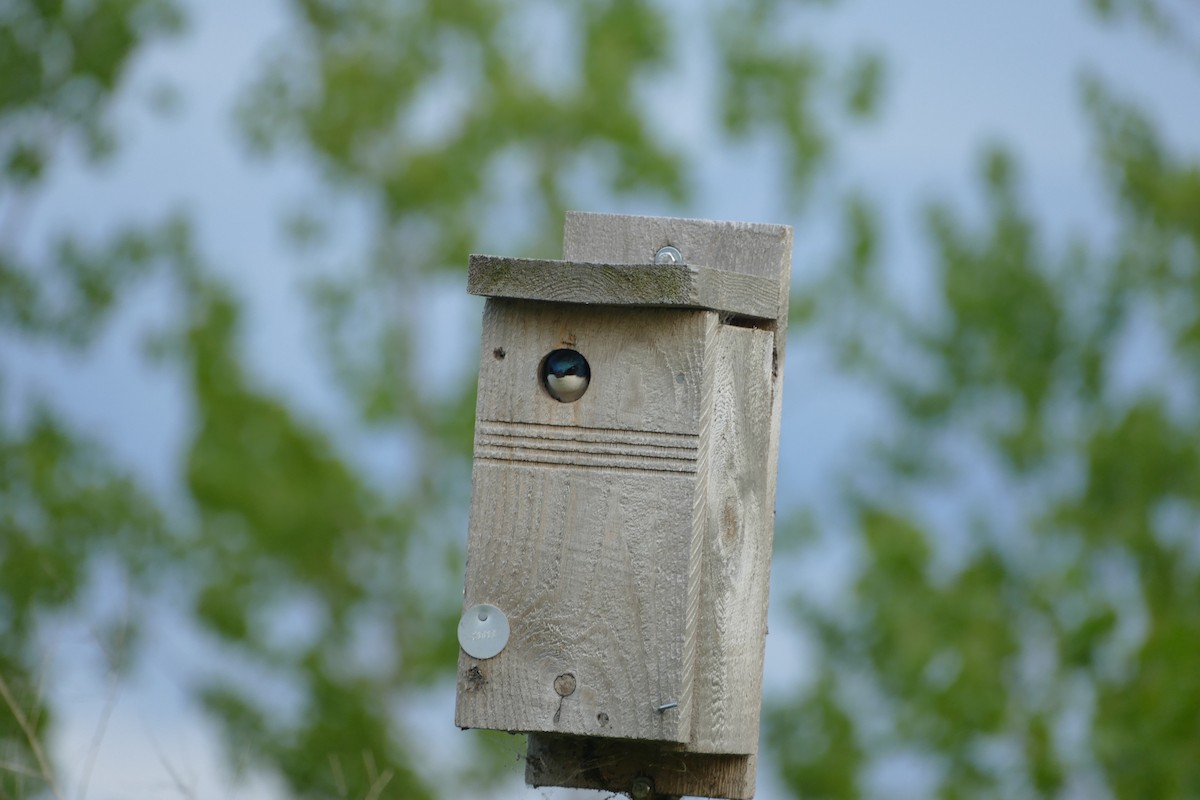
{"x": 815, "y": 737}
{"x": 67, "y": 298}
{"x": 769, "y": 85}
{"x": 865, "y": 83}
{"x": 62, "y": 506}
{"x": 61, "y": 63}
{"x": 1070, "y": 572}
{"x": 977, "y": 628}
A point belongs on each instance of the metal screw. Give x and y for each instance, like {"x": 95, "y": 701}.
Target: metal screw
{"x": 668, "y": 255}
{"x": 666, "y": 706}
{"x": 641, "y": 789}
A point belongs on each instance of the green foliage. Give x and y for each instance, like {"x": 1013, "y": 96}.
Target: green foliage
{"x": 1018, "y": 368}
{"x": 61, "y": 63}
{"x": 969, "y": 627}
{"x": 809, "y": 733}
{"x": 768, "y": 87}
{"x": 62, "y": 505}
{"x": 283, "y": 516}
{"x": 67, "y": 299}
{"x": 864, "y": 84}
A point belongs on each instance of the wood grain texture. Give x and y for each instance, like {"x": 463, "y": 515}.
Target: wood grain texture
{"x": 741, "y": 441}
{"x": 587, "y": 592}
{"x": 613, "y": 764}
{"x": 743, "y": 452}
{"x": 587, "y": 521}
{"x": 628, "y": 535}
{"x": 738, "y": 535}
{"x": 646, "y": 366}
{"x": 645, "y": 285}
{"x": 755, "y": 249}
{"x": 760, "y": 250}
{"x": 638, "y": 451}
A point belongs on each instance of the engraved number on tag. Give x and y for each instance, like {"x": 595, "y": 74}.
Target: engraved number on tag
{"x": 483, "y": 631}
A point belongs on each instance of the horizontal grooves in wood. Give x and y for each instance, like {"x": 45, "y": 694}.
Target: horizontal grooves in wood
{"x": 600, "y": 448}
{"x": 578, "y": 435}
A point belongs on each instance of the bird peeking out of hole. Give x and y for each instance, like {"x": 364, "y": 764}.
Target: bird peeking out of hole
{"x": 566, "y": 375}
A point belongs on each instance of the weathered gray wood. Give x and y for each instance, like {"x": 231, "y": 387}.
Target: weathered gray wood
{"x": 614, "y": 764}
{"x": 735, "y": 576}
{"x": 645, "y": 285}
{"x": 742, "y": 434}
{"x": 744, "y": 451}
{"x": 628, "y": 535}
{"x": 587, "y": 521}
{"x": 646, "y": 366}
{"x": 755, "y": 249}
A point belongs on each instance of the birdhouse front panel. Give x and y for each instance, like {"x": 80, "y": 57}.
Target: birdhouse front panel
{"x": 589, "y": 442}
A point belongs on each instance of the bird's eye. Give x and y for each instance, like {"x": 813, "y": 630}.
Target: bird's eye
{"x": 565, "y": 375}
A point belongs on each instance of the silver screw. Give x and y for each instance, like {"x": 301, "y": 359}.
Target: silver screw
{"x": 665, "y": 707}
{"x": 668, "y": 255}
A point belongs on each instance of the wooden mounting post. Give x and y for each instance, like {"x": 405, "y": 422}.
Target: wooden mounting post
{"x": 626, "y": 441}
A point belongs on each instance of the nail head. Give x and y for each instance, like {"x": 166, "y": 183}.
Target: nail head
{"x": 668, "y": 255}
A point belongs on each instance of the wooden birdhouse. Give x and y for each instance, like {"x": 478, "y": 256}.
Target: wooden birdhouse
{"x": 622, "y": 511}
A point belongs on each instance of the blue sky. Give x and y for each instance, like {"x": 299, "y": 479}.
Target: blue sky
{"x": 959, "y": 74}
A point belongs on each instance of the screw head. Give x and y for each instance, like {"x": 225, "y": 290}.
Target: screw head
{"x": 668, "y": 255}
{"x": 641, "y": 789}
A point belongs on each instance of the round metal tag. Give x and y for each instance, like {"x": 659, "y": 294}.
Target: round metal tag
{"x": 483, "y": 631}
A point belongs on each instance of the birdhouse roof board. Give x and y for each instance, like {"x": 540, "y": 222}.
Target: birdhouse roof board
{"x": 645, "y": 285}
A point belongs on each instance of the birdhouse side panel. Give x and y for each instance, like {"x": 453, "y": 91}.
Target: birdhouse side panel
{"x": 738, "y": 538}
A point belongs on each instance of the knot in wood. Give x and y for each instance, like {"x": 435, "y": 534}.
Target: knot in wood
{"x": 565, "y": 684}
